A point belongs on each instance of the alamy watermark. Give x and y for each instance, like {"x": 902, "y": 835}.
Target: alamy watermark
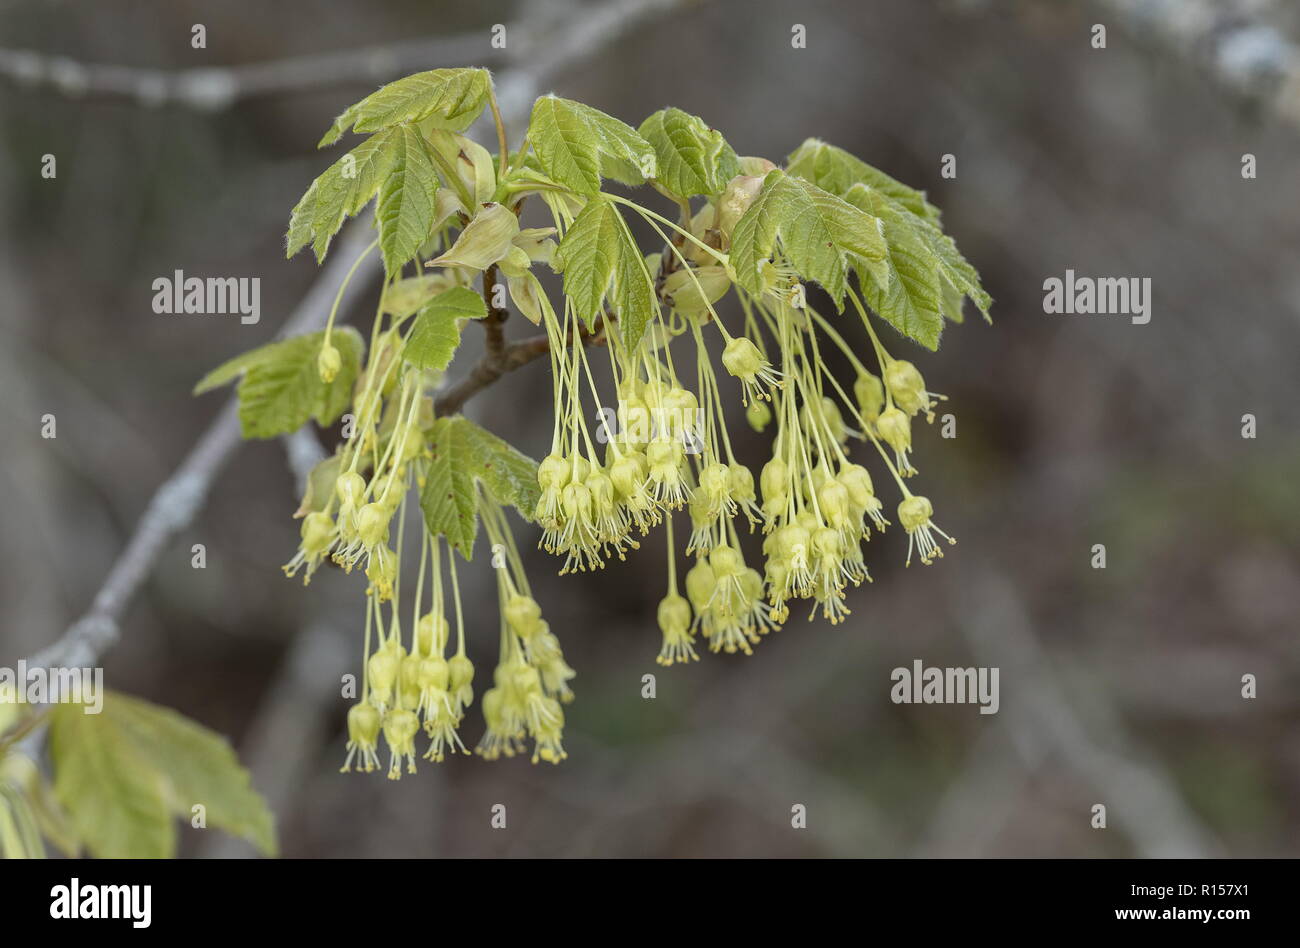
{"x": 1099, "y": 296}
{"x": 922, "y": 685}
{"x": 40, "y": 685}
{"x": 635, "y": 424}
{"x": 179, "y": 294}
{"x": 133, "y": 903}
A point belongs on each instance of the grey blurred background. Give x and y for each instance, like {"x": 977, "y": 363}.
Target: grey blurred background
{"x": 1119, "y": 686}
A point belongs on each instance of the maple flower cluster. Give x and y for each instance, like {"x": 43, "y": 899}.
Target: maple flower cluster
{"x": 750, "y": 238}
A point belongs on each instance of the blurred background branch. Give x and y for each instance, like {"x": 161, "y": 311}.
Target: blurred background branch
{"x": 1241, "y": 45}
{"x": 179, "y": 499}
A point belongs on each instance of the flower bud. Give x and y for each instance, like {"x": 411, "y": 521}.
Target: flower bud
{"x": 692, "y": 292}
{"x": 522, "y": 614}
{"x": 674, "y": 614}
{"x": 914, "y": 512}
{"x": 714, "y": 480}
{"x": 700, "y": 584}
{"x": 372, "y": 525}
{"x": 432, "y": 673}
{"x": 328, "y": 363}
{"x": 870, "y": 393}
{"x": 664, "y": 454}
{"x": 363, "y": 724}
{"x": 485, "y": 240}
{"x": 680, "y": 406}
{"x": 775, "y": 480}
{"x": 740, "y": 483}
{"x": 758, "y": 414}
{"x": 400, "y": 728}
{"x": 895, "y": 429}
{"x": 460, "y": 672}
{"x": 906, "y": 386}
{"x": 726, "y": 562}
{"x": 527, "y": 680}
{"x": 602, "y": 491}
{"x": 741, "y": 192}
{"x": 552, "y": 472}
{"x": 350, "y": 487}
{"x": 626, "y": 474}
{"x": 383, "y": 668}
{"x": 317, "y": 532}
{"x": 674, "y": 622}
{"x": 833, "y": 502}
{"x": 741, "y": 358}
{"x": 431, "y": 634}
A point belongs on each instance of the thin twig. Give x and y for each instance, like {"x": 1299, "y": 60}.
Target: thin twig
{"x": 496, "y": 362}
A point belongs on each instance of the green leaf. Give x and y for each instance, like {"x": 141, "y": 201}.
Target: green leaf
{"x": 20, "y": 776}
{"x": 929, "y": 265}
{"x": 508, "y": 473}
{"x": 576, "y": 145}
{"x": 406, "y": 209}
{"x": 447, "y": 499}
{"x": 436, "y": 333}
{"x": 911, "y": 298}
{"x": 114, "y": 797}
{"x": 963, "y": 278}
{"x": 464, "y": 455}
{"x": 123, "y": 775}
{"x": 198, "y": 767}
{"x": 405, "y": 297}
{"x": 453, "y": 97}
{"x": 835, "y": 170}
{"x": 816, "y": 230}
{"x": 601, "y": 261}
{"x": 690, "y": 157}
{"x": 281, "y": 386}
{"x": 343, "y": 190}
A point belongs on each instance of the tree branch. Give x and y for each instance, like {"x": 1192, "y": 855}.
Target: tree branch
{"x": 213, "y": 89}
{"x": 216, "y": 89}
{"x": 180, "y": 498}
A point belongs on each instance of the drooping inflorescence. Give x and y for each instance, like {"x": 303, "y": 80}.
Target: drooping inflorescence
{"x": 640, "y": 332}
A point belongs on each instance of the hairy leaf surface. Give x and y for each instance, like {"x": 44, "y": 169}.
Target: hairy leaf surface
{"x": 690, "y": 157}
{"x": 406, "y": 208}
{"x": 835, "y": 170}
{"x": 436, "y": 334}
{"x": 452, "y": 97}
{"x": 819, "y": 233}
{"x": 577, "y": 145}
